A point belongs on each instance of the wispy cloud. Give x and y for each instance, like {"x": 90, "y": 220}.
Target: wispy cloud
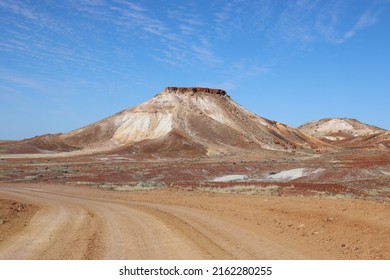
{"x": 28, "y": 32}
{"x": 13, "y": 78}
{"x": 19, "y": 9}
{"x": 33, "y": 34}
{"x": 185, "y": 34}
{"x": 294, "y": 21}
{"x": 248, "y": 68}
{"x": 325, "y": 21}
{"x": 365, "y": 20}
{"x": 238, "y": 72}
{"x": 300, "y": 21}
{"x": 131, "y": 5}
{"x": 175, "y": 33}
{"x": 28, "y": 14}
{"x": 234, "y": 16}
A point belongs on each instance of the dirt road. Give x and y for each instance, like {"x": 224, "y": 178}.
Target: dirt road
{"x": 77, "y": 222}
{"x": 79, "y": 227}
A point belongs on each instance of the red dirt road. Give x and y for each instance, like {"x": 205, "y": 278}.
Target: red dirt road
{"x": 79, "y": 227}
{"x": 85, "y": 223}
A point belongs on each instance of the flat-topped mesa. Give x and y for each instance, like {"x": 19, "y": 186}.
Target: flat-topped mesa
{"x": 194, "y": 90}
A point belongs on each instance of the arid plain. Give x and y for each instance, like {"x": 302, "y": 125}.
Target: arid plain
{"x": 190, "y": 174}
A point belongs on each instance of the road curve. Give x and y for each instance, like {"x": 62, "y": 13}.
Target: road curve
{"x": 77, "y": 226}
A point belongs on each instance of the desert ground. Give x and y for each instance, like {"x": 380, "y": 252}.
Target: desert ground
{"x": 96, "y": 206}
{"x": 191, "y": 174}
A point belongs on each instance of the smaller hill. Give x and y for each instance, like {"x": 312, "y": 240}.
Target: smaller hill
{"x": 345, "y": 132}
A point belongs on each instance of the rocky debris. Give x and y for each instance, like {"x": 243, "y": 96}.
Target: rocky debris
{"x": 329, "y": 220}
{"x": 9, "y": 210}
{"x": 18, "y": 207}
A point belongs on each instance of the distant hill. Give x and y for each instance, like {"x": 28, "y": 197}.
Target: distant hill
{"x": 345, "y": 132}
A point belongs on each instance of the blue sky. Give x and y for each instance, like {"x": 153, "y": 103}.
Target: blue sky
{"x": 65, "y": 64}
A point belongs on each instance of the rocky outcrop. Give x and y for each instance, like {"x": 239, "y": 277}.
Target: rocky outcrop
{"x": 194, "y": 90}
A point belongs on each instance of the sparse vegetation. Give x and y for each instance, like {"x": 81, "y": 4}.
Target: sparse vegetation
{"x": 140, "y": 186}
{"x": 333, "y": 195}
{"x": 242, "y": 189}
